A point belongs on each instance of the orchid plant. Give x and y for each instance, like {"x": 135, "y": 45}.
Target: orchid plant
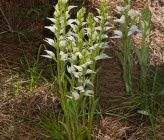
{"x": 126, "y": 29}
{"x": 78, "y": 44}
{"x": 143, "y": 52}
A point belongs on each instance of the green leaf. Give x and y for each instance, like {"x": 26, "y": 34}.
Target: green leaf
{"x": 145, "y": 54}
{"x": 143, "y": 112}
{"x": 120, "y": 56}
{"x": 138, "y": 53}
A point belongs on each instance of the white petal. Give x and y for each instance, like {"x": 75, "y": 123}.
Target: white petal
{"x": 50, "y": 53}
{"x": 70, "y": 38}
{"x": 121, "y": 20}
{"x": 116, "y": 36}
{"x": 51, "y": 28}
{"x": 79, "y": 54}
{"x": 77, "y": 74}
{"x": 79, "y": 68}
{"x": 94, "y": 35}
{"x": 104, "y": 45}
{"x": 119, "y": 9}
{"x": 132, "y": 12}
{"x": 86, "y": 64}
{"x": 63, "y": 43}
{"x": 47, "y": 56}
{"x": 117, "y": 33}
{"x": 64, "y": 56}
{"x": 127, "y": 6}
{"x": 49, "y": 41}
{"x": 93, "y": 47}
{"x": 96, "y": 19}
{"x": 89, "y": 93}
{"x": 104, "y": 36}
{"x": 87, "y": 81}
{"x": 73, "y": 57}
{"x": 89, "y": 71}
{"x": 107, "y": 28}
{"x": 71, "y": 34}
{"x": 74, "y": 27}
{"x": 70, "y": 21}
{"x": 98, "y": 28}
{"x": 75, "y": 95}
{"x": 70, "y": 69}
{"x": 133, "y": 29}
{"x": 102, "y": 56}
{"x": 100, "y": 17}
{"x": 80, "y": 88}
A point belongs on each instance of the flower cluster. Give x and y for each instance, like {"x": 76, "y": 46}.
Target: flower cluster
{"x": 126, "y": 13}
{"x": 80, "y": 47}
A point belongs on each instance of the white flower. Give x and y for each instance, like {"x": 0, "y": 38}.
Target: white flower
{"x": 71, "y": 34}
{"x": 93, "y": 47}
{"x": 77, "y": 74}
{"x": 76, "y": 95}
{"x": 88, "y": 30}
{"x": 101, "y": 56}
{"x": 62, "y": 43}
{"x": 87, "y": 81}
{"x": 64, "y": 56}
{"x": 96, "y": 19}
{"x": 49, "y": 41}
{"x": 104, "y": 36}
{"x": 104, "y": 45}
{"x": 94, "y": 35}
{"x": 118, "y": 34}
{"x": 119, "y": 9}
{"x": 71, "y": 38}
{"x": 51, "y": 28}
{"x": 74, "y": 27}
{"x": 70, "y": 69}
{"x": 70, "y": 21}
{"x": 79, "y": 68}
{"x": 133, "y": 29}
{"x": 121, "y": 20}
{"x": 50, "y": 54}
{"x": 88, "y": 62}
{"x": 89, "y": 71}
{"x": 57, "y": 12}
{"x": 73, "y": 57}
{"x": 80, "y": 88}
{"x": 132, "y": 12}
{"x": 47, "y": 56}
{"x": 79, "y": 54}
{"x": 89, "y": 93}
{"x": 105, "y": 28}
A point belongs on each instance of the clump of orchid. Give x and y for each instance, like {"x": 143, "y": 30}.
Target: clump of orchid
{"x": 143, "y": 52}
{"x": 127, "y": 26}
{"x": 78, "y": 44}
